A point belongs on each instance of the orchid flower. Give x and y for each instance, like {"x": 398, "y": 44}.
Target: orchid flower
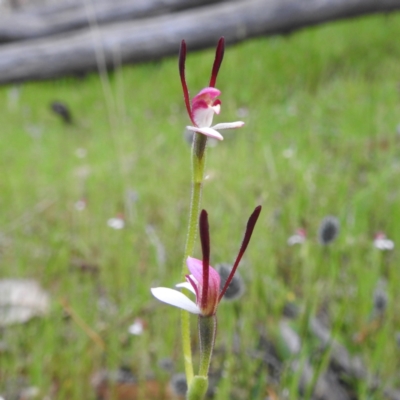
{"x": 203, "y": 280}
{"x": 205, "y": 104}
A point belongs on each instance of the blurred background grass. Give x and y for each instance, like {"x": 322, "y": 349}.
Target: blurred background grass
{"x": 321, "y": 109}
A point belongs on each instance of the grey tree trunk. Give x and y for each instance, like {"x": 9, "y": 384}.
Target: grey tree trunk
{"x": 159, "y": 36}
{"x": 67, "y": 16}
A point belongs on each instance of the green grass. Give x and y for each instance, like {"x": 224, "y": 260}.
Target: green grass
{"x": 327, "y": 96}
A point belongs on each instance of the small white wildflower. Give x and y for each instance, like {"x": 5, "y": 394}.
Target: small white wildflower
{"x": 381, "y": 242}
{"x": 80, "y": 205}
{"x": 137, "y": 328}
{"x": 298, "y": 238}
{"x": 116, "y": 223}
{"x": 288, "y": 153}
{"x": 81, "y": 152}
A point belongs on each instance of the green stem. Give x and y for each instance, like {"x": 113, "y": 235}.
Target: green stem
{"x": 207, "y": 331}
{"x": 199, "y": 384}
{"x": 198, "y": 163}
{"x": 198, "y": 388}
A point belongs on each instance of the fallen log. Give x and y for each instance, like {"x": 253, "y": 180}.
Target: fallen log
{"x": 71, "y": 15}
{"x": 154, "y": 38}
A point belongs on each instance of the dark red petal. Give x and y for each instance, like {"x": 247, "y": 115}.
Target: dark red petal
{"x": 205, "y": 247}
{"x": 251, "y": 223}
{"x": 182, "y": 60}
{"x": 219, "y": 56}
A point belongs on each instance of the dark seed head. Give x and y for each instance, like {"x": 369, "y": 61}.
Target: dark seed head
{"x": 178, "y": 384}
{"x": 236, "y": 287}
{"x": 124, "y": 375}
{"x": 380, "y": 298}
{"x": 167, "y": 364}
{"x": 328, "y": 230}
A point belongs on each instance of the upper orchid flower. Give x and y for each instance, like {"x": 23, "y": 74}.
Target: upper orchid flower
{"x": 204, "y": 280}
{"x": 205, "y": 104}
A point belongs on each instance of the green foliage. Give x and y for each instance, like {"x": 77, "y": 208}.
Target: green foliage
{"x": 321, "y": 108}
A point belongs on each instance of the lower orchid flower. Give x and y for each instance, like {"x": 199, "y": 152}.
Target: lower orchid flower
{"x": 195, "y": 284}
{"x": 204, "y": 280}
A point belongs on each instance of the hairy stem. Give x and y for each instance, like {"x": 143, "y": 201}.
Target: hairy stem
{"x": 207, "y": 332}
{"x": 198, "y": 163}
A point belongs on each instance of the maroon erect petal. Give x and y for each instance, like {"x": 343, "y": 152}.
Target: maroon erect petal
{"x": 251, "y": 223}
{"x": 205, "y": 247}
{"x": 219, "y": 56}
{"x": 182, "y": 60}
